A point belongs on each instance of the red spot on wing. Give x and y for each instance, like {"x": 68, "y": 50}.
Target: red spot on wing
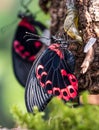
{"x": 73, "y": 81}
{"x": 43, "y": 73}
{"x": 49, "y": 91}
{"x": 16, "y": 43}
{"x": 65, "y": 94}
{"x": 26, "y": 53}
{"x": 26, "y": 24}
{"x": 55, "y": 47}
{"x": 32, "y": 58}
{"x": 21, "y": 48}
{"x": 37, "y": 74}
{"x": 37, "y": 44}
{"x": 40, "y": 67}
{"x": 63, "y": 72}
{"x": 17, "y": 46}
{"x": 72, "y": 91}
{"x": 40, "y": 75}
{"x": 42, "y": 84}
{"x": 48, "y": 82}
{"x": 57, "y": 92}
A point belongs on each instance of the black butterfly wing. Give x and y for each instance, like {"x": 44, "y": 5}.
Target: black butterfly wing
{"x": 26, "y": 50}
{"x": 54, "y": 73}
{"x": 21, "y": 69}
{"x": 24, "y": 53}
{"x": 34, "y": 93}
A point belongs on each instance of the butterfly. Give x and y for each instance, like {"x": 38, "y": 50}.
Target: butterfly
{"x": 24, "y": 53}
{"x": 51, "y": 75}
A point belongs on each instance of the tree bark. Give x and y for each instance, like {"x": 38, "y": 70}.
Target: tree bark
{"x": 88, "y": 24}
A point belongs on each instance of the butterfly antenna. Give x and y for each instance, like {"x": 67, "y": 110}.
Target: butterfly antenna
{"x": 32, "y": 34}
{"x": 28, "y": 34}
{"x": 32, "y": 39}
{"x": 35, "y": 35}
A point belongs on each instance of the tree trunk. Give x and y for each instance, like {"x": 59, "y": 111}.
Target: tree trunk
{"x": 88, "y": 12}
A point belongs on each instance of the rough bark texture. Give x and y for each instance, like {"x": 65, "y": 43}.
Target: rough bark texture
{"x": 88, "y": 11}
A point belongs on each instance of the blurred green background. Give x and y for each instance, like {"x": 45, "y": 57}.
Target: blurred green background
{"x": 11, "y": 91}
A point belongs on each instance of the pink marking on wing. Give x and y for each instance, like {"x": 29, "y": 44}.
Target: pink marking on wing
{"x": 39, "y": 67}
{"x": 21, "y": 48}
{"x": 17, "y": 46}
{"x": 17, "y": 51}
{"x": 22, "y": 55}
{"x": 48, "y": 82}
{"x": 37, "y": 44}
{"x": 63, "y": 72}
{"x": 49, "y": 91}
{"x": 73, "y": 94}
{"x": 26, "y": 53}
{"x": 26, "y": 24}
{"x": 42, "y": 84}
{"x": 16, "y": 43}
{"x": 65, "y": 97}
{"x": 73, "y": 81}
{"x": 55, "y": 47}
{"x": 43, "y": 73}
{"x": 55, "y": 89}
{"x": 32, "y": 58}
